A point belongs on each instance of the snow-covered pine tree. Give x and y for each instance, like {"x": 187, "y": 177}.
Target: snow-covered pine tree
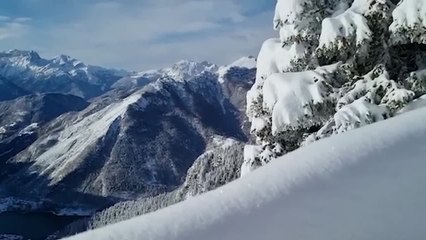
{"x": 337, "y": 65}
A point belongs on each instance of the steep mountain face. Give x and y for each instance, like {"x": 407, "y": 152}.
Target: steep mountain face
{"x": 37, "y": 108}
{"x": 126, "y": 143}
{"x": 219, "y": 165}
{"x": 336, "y": 66}
{"x": 236, "y": 80}
{"x": 63, "y": 74}
{"x": 9, "y": 91}
{"x": 220, "y": 162}
{"x": 22, "y": 118}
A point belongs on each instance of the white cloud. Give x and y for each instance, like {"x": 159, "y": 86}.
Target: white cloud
{"x": 13, "y": 27}
{"x": 4, "y": 18}
{"x": 22, "y": 19}
{"x": 154, "y": 33}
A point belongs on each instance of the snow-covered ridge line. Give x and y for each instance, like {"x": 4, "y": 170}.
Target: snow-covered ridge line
{"x": 363, "y": 184}
{"x": 72, "y": 140}
{"x": 62, "y": 64}
{"x": 183, "y": 71}
{"x": 244, "y": 62}
{"x": 180, "y": 71}
{"x": 62, "y": 74}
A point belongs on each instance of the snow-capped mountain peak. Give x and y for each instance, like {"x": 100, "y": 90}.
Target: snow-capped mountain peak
{"x": 65, "y": 60}
{"x": 20, "y": 53}
{"x": 185, "y": 69}
{"x": 62, "y": 74}
{"x": 244, "y": 62}
{"x": 20, "y": 59}
{"x": 180, "y": 71}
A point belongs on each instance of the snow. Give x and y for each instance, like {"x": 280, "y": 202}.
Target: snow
{"x": 339, "y": 30}
{"x": 180, "y": 71}
{"x": 291, "y": 96}
{"x": 341, "y": 8}
{"x": 186, "y": 69}
{"x": 363, "y": 184}
{"x": 295, "y": 20}
{"x": 288, "y": 11}
{"x": 409, "y": 22}
{"x": 11, "y": 237}
{"x": 74, "y": 212}
{"x": 223, "y": 142}
{"x": 374, "y": 97}
{"x": 258, "y": 124}
{"x": 375, "y": 84}
{"x": 29, "y": 129}
{"x": 27, "y": 70}
{"x": 359, "y": 113}
{"x": 26, "y": 62}
{"x": 416, "y": 104}
{"x": 2, "y": 130}
{"x": 275, "y": 58}
{"x": 287, "y": 32}
{"x": 244, "y": 62}
{"x": 421, "y": 73}
{"x": 12, "y": 204}
{"x": 63, "y": 157}
{"x": 250, "y": 154}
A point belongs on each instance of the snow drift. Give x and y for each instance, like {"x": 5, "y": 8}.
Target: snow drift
{"x": 364, "y": 184}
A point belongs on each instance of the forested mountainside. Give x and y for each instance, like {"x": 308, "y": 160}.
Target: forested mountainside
{"x": 219, "y": 165}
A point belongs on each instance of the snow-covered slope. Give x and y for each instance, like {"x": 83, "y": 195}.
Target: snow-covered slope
{"x": 363, "y": 184}
{"x": 22, "y": 118}
{"x": 62, "y": 74}
{"x": 37, "y": 108}
{"x": 244, "y": 62}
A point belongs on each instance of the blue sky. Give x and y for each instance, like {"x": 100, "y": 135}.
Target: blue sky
{"x": 137, "y": 34}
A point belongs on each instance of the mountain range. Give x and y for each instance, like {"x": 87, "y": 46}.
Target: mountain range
{"x": 31, "y": 73}
{"x": 86, "y": 137}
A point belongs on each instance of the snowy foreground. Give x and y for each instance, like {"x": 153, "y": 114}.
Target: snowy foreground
{"x": 368, "y": 183}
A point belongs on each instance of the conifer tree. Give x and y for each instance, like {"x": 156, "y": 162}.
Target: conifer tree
{"x": 336, "y": 66}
